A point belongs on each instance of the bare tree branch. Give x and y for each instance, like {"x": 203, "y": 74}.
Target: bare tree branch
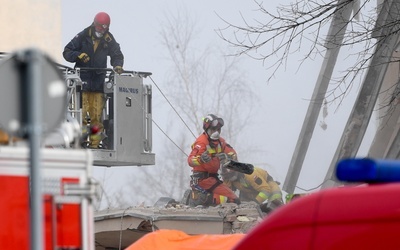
{"x": 300, "y": 28}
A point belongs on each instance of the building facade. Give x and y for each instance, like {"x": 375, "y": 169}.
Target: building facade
{"x": 31, "y": 23}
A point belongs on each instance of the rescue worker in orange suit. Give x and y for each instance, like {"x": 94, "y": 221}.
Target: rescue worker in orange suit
{"x": 205, "y": 160}
{"x": 90, "y": 49}
{"x": 258, "y": 186}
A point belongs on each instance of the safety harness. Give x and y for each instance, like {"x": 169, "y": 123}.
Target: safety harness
{"x": 204, "y": 175}
{"x": 197, "y": 176}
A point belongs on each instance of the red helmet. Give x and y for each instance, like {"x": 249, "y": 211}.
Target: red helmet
{"x": 101, "y": 22}
{"x": 212, "y": 121}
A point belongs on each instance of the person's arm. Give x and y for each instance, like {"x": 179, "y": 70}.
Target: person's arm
{"x": 73, "y": 49}
{"x": 229, "y": 151}
{"x": 115, "y": 53}
{"x": 194, "y": 158}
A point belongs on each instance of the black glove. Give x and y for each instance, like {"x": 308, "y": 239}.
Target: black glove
{"x": 205, "y": 157}
{"x": 222, "y": 156}
{"x": 277, "y": 202}
{"x": 237, "y": 201}
{"x": 265, "y": 208}
{"x": 271, "y": 205}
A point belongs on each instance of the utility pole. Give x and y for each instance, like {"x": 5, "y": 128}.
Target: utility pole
{"x": 388, "y": 36}
{"x": 333, "y": 43}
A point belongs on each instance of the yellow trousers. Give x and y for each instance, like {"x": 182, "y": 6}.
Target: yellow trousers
{"x": 4, "y": 138}
{"x": 93, "y": 104}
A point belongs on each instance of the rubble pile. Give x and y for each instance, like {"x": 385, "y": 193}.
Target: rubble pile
{"x": 236, "y": 218}
{"x": 124, "y": 226}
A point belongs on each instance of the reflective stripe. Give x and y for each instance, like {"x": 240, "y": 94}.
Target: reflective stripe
{"x": 196, "y": 161}
{"x": 223, "y": 199}
{"x": 261, "y": 197}
{"x": 212, "y": 150}
{"x": 276, "y": 196}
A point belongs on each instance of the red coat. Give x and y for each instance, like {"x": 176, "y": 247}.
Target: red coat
{"x": 213, "y": 147}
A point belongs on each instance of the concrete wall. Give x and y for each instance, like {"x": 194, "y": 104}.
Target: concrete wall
{"x": 27, "y": 23}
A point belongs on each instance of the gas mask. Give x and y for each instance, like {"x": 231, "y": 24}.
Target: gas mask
{"x": 99, "y": 30}
{"x": 214, "y": 135}
{"x": 98, "y": 34}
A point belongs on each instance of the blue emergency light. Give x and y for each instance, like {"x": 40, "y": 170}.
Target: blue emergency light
{"x": 368, "y": 170}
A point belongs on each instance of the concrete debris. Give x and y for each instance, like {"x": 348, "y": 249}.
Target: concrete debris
{"x": 127, "y": 225}
{"x": 243, "y": 219}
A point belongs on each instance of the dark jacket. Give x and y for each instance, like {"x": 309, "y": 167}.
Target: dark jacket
{"x": 83, "y": 43}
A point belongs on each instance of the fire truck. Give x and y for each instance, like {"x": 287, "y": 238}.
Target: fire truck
{"x": 47, "y": 189}
{"x": 363, "y": 214}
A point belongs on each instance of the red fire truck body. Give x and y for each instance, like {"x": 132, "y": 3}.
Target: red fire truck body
{"x": 352, "y": 217}
{"x": 67, "y": 198}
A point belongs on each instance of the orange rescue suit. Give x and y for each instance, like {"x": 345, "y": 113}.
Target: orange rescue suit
{"x": 202, "y": 144}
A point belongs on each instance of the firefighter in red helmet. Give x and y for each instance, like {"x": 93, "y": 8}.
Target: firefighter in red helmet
{"x": 208, "y": 152}
{"x": 90, "y": 49}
